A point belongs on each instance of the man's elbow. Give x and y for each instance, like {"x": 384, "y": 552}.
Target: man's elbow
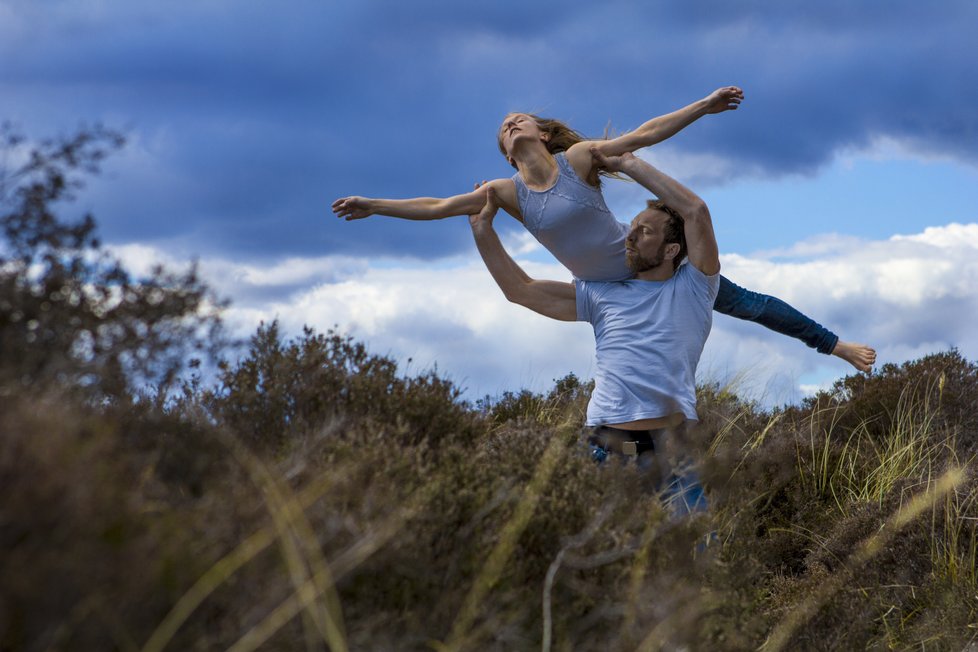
{"x": 697, "y": 212}
{"x": 520, "y": 298}
{"x": 710, "y": 267}
{"x": 520, "y": 293}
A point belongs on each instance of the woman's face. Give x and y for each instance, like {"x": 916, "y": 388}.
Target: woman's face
{"x": 517, "y": 126}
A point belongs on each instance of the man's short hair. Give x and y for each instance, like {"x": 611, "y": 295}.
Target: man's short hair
{"x": 674, "y": 231}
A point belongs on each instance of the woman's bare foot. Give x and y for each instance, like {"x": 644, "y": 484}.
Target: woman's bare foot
{"x": 859, "y": 356}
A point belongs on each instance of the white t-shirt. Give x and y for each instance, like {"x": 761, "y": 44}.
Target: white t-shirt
{"x": 649, "y": 336}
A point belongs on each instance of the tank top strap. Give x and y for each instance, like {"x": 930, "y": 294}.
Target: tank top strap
{"x": 564, "y": 164}
{"x": 522, "y": 192}
{"x": 568, "y": 172}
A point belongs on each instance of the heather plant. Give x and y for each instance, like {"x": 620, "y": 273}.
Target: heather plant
{"x": 508, "y": 538}
{"x": 312, "y": 496}
{"x": 945, "y": 382}
{"x": 874, "y": 500}
{"x": 282, "y": 389}
{"x": 93, "y": 544}
{"x": 548, "y": 408}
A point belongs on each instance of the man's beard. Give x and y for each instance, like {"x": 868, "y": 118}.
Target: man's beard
{"x": 638, "y": 263}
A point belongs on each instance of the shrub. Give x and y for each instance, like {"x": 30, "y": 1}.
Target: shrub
{"x": 69, "y": 312}
{"x": 280, "y": 390}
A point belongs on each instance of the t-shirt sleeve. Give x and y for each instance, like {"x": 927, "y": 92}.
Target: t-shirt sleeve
{"x": 582, "y": 296}
{"x": 703, "y": 287}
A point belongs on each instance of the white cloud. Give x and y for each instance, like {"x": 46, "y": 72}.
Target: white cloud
{"x": 626, "y": 199}
{"x": 698, "y": 170}
{"x": 244, "y": 280}
{"x": 888, "y": 147}
{"x": 907, "y": 296}
{"x": 952, "y": 236}
{"x": 520, "y": 243}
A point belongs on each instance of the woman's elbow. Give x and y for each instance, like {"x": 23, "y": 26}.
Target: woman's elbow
{"x": 438, "y": 208}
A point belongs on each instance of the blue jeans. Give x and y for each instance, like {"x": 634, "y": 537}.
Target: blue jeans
{"x": 678, "y": 484}
{"x": 683, "y": 494}
{"x": 773, "y": 313}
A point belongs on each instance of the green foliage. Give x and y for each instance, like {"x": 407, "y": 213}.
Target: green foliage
{"x": 69, "y": 312}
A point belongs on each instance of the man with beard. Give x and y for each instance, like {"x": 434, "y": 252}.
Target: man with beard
{"x": 649, "y": 330}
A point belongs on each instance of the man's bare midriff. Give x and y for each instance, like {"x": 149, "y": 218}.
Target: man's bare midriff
{"x": 651, "y": 424}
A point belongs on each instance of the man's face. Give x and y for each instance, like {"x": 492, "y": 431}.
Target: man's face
{"x": 645, "y": 246}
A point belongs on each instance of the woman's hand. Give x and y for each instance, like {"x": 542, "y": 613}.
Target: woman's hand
{"x": 353, "y": 208}
{"x": 723, "y": 99}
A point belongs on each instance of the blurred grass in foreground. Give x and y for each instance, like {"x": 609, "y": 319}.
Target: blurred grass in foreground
{"x": 156, "y": 527}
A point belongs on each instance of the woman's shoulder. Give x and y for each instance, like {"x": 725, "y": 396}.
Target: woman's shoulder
{"x": 508, "y": 191}
{"x": 578, "y": 160}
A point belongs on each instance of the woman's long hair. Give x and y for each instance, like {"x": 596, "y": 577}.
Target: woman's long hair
{"x": 561, "y": 139}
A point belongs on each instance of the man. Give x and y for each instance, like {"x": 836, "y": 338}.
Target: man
{"x": 649, "y": 330}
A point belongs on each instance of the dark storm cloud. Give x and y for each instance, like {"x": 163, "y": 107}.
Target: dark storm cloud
{"x": 250, "y": 118}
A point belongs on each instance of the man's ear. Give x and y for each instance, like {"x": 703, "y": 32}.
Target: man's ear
{"x": 672, "y": 250}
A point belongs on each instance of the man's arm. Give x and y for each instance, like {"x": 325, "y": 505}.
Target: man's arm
{"x": 701, "y": 242}
{"x": 552, "y": 299}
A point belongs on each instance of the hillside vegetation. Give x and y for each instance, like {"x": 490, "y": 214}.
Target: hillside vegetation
{"x": 307, "y": 495}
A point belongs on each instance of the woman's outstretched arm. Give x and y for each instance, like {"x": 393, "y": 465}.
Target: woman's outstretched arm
{"x": 657, "y": 129}
{"x": 427, "y": 208}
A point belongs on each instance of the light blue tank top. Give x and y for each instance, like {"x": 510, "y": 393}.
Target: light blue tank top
{"x": 572, "y": 221}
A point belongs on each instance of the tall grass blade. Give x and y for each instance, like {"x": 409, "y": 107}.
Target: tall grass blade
{"x": 782, "y": 633}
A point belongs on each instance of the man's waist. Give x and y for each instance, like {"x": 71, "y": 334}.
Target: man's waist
{"x": 651, "y": 423}
{"x": 674, "y": 412}
{"x": 626, "y": 394}
{"x": 627, "y": 442}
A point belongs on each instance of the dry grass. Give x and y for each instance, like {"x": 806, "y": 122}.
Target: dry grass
{"x": 357, "y": 533}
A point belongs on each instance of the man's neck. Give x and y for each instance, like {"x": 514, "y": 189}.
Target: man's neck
{"x": 662, "y": 272}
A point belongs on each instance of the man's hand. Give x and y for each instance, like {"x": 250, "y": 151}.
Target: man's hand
{"x": 612, "y": 163}
{"x": 723, "y": 99}
{"x": 353, "y": 208}
{"x": 483, "y": 219}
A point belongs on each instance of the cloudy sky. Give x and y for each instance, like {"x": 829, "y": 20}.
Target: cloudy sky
{"x": 846, "y": 184}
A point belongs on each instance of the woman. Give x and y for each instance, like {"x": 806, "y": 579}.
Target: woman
{"x": 556, "y": 195}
